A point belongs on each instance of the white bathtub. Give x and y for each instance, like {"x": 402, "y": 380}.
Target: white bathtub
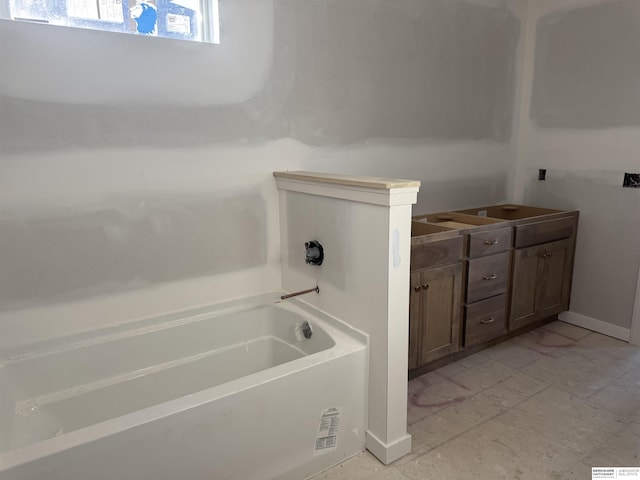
{"x": 229, "y": 392}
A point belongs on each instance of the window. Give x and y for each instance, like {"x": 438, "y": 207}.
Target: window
{"x": 195, "y": 20}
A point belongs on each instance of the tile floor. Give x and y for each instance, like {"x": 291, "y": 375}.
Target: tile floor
{"x": 549, "y": 404}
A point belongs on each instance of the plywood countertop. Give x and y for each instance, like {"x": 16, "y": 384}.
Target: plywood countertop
{"x": 348, "y": 180}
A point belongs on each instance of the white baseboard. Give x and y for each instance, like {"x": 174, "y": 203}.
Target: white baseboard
{"x": 387, "y": 453}
{"x": 596, "y": 325}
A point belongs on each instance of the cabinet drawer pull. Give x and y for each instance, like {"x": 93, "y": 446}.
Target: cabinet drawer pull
{"x": 425, "y": 285}
{"x": 493, "y": 276}
{"x": 417, "y": 288}
{"x": 491, "y": 242}
{"x": 488, "y": 320}
{"x": 545, "y": 255}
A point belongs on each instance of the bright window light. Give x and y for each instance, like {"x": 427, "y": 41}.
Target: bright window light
{"x": 195, "y": 20}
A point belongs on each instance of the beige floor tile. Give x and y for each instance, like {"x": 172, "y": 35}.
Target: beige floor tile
{"x": 363, "y": 466}
{"x": 634, "y": 427}
{"x": 634, "y": 371}
{"x": 569, "y": 420}
{"x": 513, "y": 354}
{"x": 462, "y": 365}
{"x": 450, "y": 422}
{"x": 580, "y": 471}
{"x": 621, "y": 397}
{"x": 433, "y": 398}
{"x": 567, "y": 330}
{"x": 484, "y": 376}
{"x": 574, "y": 373}
{"x": 599, "y": 346}
{"x": 514, "y": 390}
{"x": 635, "y": 417}
{"x": 545, "y": 342}
{"x": 419, "y": 383}
{"x": 536, "y": 450}
{"x": 437, "y": 464}
{"x": 475, "y": 456}
{"x": 621, "y": 450}
{"x": 472, "y": 361}
{"x": 597, "y": 340}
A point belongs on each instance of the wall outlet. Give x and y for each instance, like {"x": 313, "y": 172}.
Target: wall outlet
{"x": 542, "y": 174}
{"x": 631, "y": 180}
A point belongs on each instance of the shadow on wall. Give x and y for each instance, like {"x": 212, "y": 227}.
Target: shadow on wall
{"x": 112, "y": 250}
{"x": 343, "y": 71}
{"x": 587, "y": 67}
{"x": 462, "y": 193}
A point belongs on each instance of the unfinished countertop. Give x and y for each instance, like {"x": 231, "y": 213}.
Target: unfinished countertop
{"x": 348, "y": 180}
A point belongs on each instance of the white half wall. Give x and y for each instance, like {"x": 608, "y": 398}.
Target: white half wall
{"x": 364, "y": 280}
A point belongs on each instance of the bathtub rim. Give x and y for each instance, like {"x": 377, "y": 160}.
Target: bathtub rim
{"x": 349, "y": 340}
{"x": 123, "y": 327}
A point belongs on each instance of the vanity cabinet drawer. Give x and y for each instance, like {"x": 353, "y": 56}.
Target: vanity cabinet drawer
{"x": 542, "y": 232}
{"x": 487, "y": 276}
{"x": 489, "y": 242}
{"x": 485, "y": 320}
{"x": 436, "y": 253}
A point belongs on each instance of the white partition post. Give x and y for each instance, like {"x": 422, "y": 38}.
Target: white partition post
{"x": 364, "y": 226}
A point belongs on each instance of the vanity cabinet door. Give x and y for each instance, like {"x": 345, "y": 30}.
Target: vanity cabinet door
{"x": 556, "y": 279}
{"x": 541, "y": 282}
{"x": 435, "y": 312}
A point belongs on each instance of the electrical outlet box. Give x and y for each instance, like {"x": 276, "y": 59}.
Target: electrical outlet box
{"x": 542, "y": 174}
{"x": 631, "y": 180}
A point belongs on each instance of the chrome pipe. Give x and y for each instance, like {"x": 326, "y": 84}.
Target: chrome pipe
{"x": 301, "y": 292}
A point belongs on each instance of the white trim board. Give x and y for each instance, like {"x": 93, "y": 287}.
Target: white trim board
{"x": 634, "y": 337}
{"x": 596, "y": 325}
{"x": 388, "y": 453}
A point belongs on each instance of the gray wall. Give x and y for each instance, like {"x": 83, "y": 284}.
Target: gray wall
{"x": 587, "y": 67}
{"x": 131, "y": 162}
{"x": 342, "y": 72}
{"x": 584, "y": 127}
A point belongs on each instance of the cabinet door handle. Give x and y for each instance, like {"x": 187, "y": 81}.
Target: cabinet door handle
{"x": 425, "y": 285}
{"x": 491, "y": 242}
{"x": 550, "y": 254}
{"x": 493, "y": 276}
{"x": 488, "y": 320}
{"x": 417, "y": 288}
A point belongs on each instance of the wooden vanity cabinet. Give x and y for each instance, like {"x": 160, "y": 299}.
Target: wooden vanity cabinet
{"x": 542, "y": 273}
{"x": 435, "y": 295}
{"x": 479, "y": 274}
{"x": 543, "y": 252}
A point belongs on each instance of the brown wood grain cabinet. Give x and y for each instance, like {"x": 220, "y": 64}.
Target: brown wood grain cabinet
{"x": 488, "y": 281}
{"x": 541, "y": 282}
{"x": 485, "y": 320}
{"x": 543, "y": 255}
{"x": 479, "y": 274}
{"x": 434, "y": 325}
{"x": 435, "y": 295}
